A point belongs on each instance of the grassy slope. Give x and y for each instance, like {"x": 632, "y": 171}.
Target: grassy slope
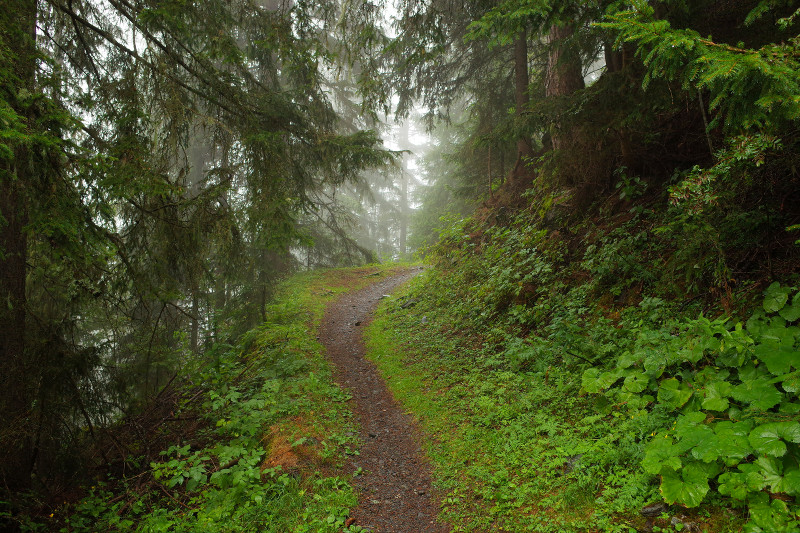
{"x": 502, "y": 442}
{"x": 273, "y": 430}
{"x": 514, "y": 325}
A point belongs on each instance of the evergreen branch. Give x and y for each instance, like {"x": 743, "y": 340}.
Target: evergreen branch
{"x": 113, "y": 41}
{"x": 169, "y": 52}
{"x": 751, "y": 87}
{"x": 120, "y": 5}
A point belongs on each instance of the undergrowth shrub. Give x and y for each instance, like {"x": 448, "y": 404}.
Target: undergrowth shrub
{"x": 586, "y": 352}
{"x": 220, "y": 479}
{"x": 732, "y": 393}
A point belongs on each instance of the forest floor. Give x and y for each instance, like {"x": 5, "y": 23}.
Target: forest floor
{"x": 391, "y": 472}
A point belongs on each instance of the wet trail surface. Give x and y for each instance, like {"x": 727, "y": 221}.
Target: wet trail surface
{"x": 395, "y": 482}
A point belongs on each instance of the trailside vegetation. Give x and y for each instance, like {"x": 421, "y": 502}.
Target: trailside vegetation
{"x": 250, "y": 439}
{"x": 612, "y": 341}
{"x": 162, "y": 164}
{"x": 580, "y": 395}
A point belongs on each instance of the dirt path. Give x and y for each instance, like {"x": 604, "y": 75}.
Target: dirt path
{"x": 395, "y": 485}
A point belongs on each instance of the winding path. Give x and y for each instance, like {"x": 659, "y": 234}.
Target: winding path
{"x": 394, "y": 486}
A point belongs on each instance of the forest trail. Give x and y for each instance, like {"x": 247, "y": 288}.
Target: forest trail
{"x": 395, "y": 482}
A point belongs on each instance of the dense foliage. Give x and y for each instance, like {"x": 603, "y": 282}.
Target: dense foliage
{"x": 568, "y": 389}
{"x": 161, "y": 165}
{"x": 618, "y": 326}
{"x": 248, "y": 441}
{"x": 618, "y": 320}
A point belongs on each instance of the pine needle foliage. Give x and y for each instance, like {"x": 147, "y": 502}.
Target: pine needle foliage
{"x": 750, "y": 88}
{"x": 159, "y": 157}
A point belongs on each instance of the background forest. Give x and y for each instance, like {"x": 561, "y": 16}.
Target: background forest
{"x": 163, "y": 164}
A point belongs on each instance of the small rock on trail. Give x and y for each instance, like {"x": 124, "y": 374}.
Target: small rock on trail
{"x": 395, "y": 484}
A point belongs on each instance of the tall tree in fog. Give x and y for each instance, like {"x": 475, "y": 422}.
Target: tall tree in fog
{"x": 156, "y": 158}
{"x": 18, "y": 171}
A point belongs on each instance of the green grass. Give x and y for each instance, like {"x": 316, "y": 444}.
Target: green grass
{"x": 275, "y": 430}
{"x": 515, "y": 448}
{"x": 482, "y": 423}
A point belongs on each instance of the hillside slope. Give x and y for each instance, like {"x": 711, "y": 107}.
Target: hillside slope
{"x": 251, "y": 437}
{"x": 584, "y": 376}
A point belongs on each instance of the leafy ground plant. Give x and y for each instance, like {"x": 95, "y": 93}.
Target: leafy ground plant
{"x": 545, "y": 399}
{"x": 733, "y": 392}
{"x": 272, "y": 423}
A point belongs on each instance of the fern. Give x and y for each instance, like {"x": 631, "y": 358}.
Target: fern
{"x": 751, "y": 89}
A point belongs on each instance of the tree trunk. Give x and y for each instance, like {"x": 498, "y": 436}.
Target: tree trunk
{"x": 194, "y": 336}
{"x": 564, "y": 75}
{"x": 615, "y": 59}
{"x": 502, "y": 166}
{"x": 403, "y": 212}
{"x": 16, "y": 449}
{"x": 405, "y": 144}
{"x": 521, "y": 94}
{"x": 489, "y": 165}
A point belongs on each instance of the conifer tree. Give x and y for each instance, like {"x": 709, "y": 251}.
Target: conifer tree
{"x": 156, "y": 159}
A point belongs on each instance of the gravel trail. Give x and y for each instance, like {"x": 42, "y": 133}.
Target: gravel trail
{"x": 395, "y": 481}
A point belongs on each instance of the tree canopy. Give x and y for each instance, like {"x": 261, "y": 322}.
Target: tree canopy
{"x": 157, "y": 162}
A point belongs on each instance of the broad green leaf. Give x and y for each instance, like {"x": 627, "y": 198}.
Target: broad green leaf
{"x": 756, "y": 323}
{"x": 776, "y": 323}
{"x": 687, "y": 487}
{"x": 633, "y": 400}
{"x": 768, "y": 439}
{"x": 660, "y": 453}
{"x": 754, "y": 476}
{"x": 789, "y": 408}
{"x": 673, "y": 393}
{"x": 710, "y": 374}
{"x": 716, "y": 395}
{"x": 739, "y": 485}
{"x": 771, "y": 472}
{"x": 654, "y": 363}
{"x": 589, "y": 380}
{"x": 636, "y": 382}
{"x": 594, "y": 381}
{"x": 731, "y": 358}
{"x": 733, "y": 441}
{"x": 711, "y": 470}
{"x": 778, "y": 358}
{"x": 791, "y": 312}
{"x": 694, "y": 349}
{"x": 691, "y": 430}
{"x": 707, "y": 448}
{"x": 606, "y": 379}
{"x": 769, "y": 515}
{"x": 779, "y": 333}
{"x": 791, "y": 382}
{"x": 689, "y": 420}
{"x": 791, "y": 483}
{"x": 627, "y": 359}
{"x": 758, "y": 393}
{"x": 775, "y": 297}
{"x": 751, "y": 372}
{"x": 733, "y": 485}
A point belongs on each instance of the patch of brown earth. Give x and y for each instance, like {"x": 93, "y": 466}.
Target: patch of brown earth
{"x": 293, "y": 446}
{"x": 394, "y": 483}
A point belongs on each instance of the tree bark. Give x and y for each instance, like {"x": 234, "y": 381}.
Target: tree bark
{"x": 615, "y": 59}
{"x": 405, "y": 144}
{"x": 16, "y": 444}
{"x": 521, "y": 93}
{"x": 564, "y": 69}
{"x": 489, "y": 173}
{"x": 564, "y": 75}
